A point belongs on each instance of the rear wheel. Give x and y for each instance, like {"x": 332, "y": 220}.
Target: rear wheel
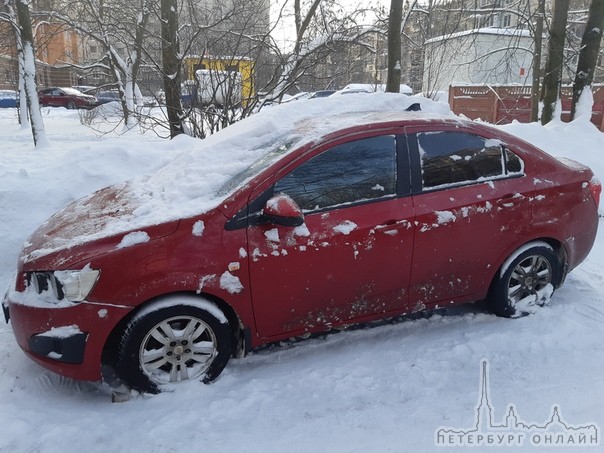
{"x": 170, "y": 344}
{"x": 525, "y": 281}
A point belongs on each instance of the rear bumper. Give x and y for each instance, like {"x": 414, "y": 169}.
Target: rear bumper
{"x": 68, "y": 341}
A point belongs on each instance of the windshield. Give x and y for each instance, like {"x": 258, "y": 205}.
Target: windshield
{"x": 258, "y": 166}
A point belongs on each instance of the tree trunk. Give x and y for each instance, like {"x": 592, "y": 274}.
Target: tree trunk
{"x": 552, "y": 79}
{"x": 303, "y": 23}
{"x": 537, "y": 61}
{"x": 171, "y": 65}
{"x": 27, "y": 73}
{"x": 393, "y": 82}
{"x": 588, "y": 56}
{"x": 23, "y": 108}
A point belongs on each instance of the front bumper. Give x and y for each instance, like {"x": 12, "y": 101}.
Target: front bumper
{"x": 67, "y": 349}
{"x": 68, "y": 341}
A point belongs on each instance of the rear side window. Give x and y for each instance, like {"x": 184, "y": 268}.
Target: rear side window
{"x": 459, "y": 157}
{"x": 349, "y": 173}
{"x": 513, "y": 163}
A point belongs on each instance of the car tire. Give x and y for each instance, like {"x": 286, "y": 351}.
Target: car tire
{"x": 169, "y": 343}
{"x": 70, "y": 105}
{"x": 525, "y": 281}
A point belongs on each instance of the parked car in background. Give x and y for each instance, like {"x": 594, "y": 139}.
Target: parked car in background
{"x": 86, "y": 89}
{"x": 333, "y": 220}
{"x": 295, "y": 97}
{"x": 149, "y": 101}
{"x": 372, "y": 88}
{"x": 111, "y": 95}
{"x": 307, "y": 95}
{"x": 8, "y": 98}
{"x": 106, "y": 96}
{"x": 322, "y": 94}
{"x": 70, "y": 98}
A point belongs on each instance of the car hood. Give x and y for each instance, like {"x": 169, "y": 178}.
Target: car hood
{"x": 102, "y": 221}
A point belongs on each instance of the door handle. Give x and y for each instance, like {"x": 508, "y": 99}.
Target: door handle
{"x": 391, "y": 226}
{"x": 510, "y": 200}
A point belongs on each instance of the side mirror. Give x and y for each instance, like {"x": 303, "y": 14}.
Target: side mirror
{"x": 282, "y": 210}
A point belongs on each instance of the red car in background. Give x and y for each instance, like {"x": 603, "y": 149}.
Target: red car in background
{"x": 70, "y": 98}
{"x": 391, "y": 214}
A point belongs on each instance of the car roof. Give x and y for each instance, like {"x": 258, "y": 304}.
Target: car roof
{"x": 340, "y": 124}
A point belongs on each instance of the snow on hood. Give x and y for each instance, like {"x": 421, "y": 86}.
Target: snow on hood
{"x": 190, "y": 185}
{"x": 102, "y": 214}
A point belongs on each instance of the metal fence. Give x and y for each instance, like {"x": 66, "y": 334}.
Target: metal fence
{"x": 503, "y": 104}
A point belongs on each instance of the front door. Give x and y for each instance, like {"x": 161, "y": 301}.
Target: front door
{"x": 351, "y": 258}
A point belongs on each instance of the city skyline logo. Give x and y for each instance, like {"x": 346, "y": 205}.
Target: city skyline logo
{"x": 513, "y": 431}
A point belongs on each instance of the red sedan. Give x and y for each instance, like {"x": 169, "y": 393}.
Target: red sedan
{"x": 385, "y": 214}
{"x": 70, "y": 98}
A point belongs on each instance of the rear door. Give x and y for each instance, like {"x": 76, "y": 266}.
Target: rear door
{"x": 351, "y": 259}
{"x": 468, "y": 212}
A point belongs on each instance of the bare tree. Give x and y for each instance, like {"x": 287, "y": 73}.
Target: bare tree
{"x": 588, "y": 55}
{"x": 17, "y": 12}
{"x": 393, "y": 83}
{"x": 446, "y": 33}
{"x": 320, "y": 27}
{"x": 110, "y": 24}
{"x": 224, "y": 44}
{"x": 552, "y": 80}
{"x": 11, "y": 40}
{"x": 171, "y": 65}
{"x": 540, "y": 17}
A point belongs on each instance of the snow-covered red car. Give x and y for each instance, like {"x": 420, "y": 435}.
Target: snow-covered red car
{"x": 282, "y": 225}
{"x": 70, "y": 98}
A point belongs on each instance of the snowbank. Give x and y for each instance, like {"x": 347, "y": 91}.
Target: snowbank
{"x": 379, "y": 389}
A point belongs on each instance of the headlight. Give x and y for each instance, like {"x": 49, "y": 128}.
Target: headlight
{"x": 71, "y": 285}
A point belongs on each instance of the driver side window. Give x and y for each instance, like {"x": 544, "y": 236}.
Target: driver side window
{"x": 353, "y": 172}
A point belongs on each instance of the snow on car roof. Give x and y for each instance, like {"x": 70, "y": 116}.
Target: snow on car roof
{"x": 191, "y": 182}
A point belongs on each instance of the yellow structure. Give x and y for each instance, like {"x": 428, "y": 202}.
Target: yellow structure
{"x": 245, "y": 66}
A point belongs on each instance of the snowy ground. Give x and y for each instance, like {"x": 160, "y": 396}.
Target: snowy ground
{"x": 386, "y": 388}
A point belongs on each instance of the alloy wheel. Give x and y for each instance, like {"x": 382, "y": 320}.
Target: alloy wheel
{"x": 530, "y": 275}
{"x": 177, "y": 349}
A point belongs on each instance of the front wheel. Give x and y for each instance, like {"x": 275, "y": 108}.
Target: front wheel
{"x": 71, "y": 105}
{"x": 525, "y": 281}
{"x": 170, "y": 344}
